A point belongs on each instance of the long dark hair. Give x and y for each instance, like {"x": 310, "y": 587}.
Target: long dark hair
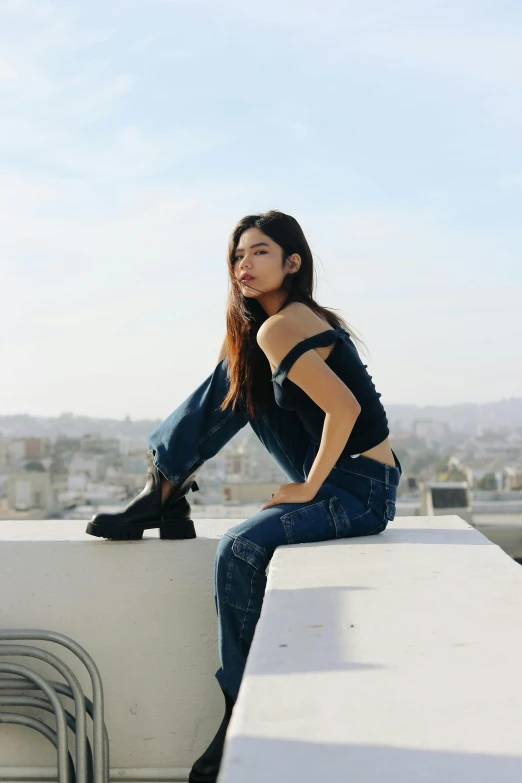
{"x": 249, "y": 370}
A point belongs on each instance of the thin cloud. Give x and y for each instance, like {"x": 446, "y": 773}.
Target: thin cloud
{"x": 129, "y": 153}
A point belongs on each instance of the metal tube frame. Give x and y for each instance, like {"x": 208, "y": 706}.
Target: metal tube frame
{"x": 73, "y": 690}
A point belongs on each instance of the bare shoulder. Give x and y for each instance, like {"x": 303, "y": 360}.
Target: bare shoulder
{"x": 281, "y": 332}
{"x": 296, "y": 321}
{"x": 308, "y": 370}
{"x": 278, "y": 334}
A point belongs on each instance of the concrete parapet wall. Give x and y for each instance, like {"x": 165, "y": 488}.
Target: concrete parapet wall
{"x": 386, "y": 658}
{"x": 145, "y": 612}
{"x": 393, "y": 657}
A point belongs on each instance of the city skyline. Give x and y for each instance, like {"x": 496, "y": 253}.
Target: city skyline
{"x": 131, "y": 142}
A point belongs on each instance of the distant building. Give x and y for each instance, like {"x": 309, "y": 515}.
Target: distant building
{"x": 251, "y": 473}
{"x": 30, "y": 489}
{"x": 77, "y": 484}
{"x": 94, "y": 443}
{"x": 249, "y": 461}
{"x": 249, "y": 491}
{"x": 4, "y": 451}
{"x": 91, "y": 466}
{"x": 439, "y": 498}
{"x": 511, "y": 477}
{"x": 20, "y": 449}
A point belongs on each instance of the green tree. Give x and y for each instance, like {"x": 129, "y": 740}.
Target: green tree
{"x": 35, "y": 466}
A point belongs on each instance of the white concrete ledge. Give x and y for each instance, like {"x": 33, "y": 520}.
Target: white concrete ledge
{"x": 145, "y": 612}
{"x": 394, "y": 657}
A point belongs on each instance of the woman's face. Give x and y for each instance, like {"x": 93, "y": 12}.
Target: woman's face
{"x": 260, "y": 258}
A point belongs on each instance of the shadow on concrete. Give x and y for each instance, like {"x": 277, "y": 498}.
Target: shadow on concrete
{"x": 258, "y": 760}
{"x": 314, "y": 632}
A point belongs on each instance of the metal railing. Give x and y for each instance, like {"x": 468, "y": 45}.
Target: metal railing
{"x": 90, "y": 767}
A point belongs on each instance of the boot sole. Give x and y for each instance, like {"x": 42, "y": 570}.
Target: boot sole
{"x": 194, "y": 778}
{"x": 184, "y": 528}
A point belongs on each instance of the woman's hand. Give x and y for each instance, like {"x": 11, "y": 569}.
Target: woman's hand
{"x": 291, "y": 493}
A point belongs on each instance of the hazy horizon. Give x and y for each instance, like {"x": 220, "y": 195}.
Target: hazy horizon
{"x": 133, "y": 138}
{"x": 513, "y": 413}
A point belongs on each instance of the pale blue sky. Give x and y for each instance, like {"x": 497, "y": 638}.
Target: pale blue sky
{"x": 133, "y": 136}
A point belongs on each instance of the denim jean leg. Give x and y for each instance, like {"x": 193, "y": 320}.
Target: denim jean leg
{"x": 244, "y": 551}
{"x": 282, "y": 434}
{"x": 239, "y": 588}
{"x": 242, "y": 557}
{"x": 195, "y": 432}
{"x": 197, "y": 429}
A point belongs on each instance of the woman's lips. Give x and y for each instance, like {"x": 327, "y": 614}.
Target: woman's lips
{"x": 246, "y": 279}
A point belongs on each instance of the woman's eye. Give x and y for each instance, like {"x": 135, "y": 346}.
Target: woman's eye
{"x": 257, "y": 251}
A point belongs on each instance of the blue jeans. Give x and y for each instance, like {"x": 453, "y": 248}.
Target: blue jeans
{"x": 356, "y": 499}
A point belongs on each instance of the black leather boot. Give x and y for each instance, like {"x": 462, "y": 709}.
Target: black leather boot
{"x": 147, "y": 511}
{"x": 206, "y": 768}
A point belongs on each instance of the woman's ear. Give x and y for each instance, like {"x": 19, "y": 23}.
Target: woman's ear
{"x": 294, "y": 262}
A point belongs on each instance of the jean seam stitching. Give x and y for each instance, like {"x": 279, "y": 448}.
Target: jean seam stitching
{"x": 185, "y": 472}
{"x": 288, "y": 528}
{"x": 248, "y": 606}
{"x": 236, "y": 606}
{"x": 229, "y": 577}
{"x": 369, "y": 504}
{"x": 355, "y": 519}
{"x": 347, "y": 518}
{"x": 305, "y": 508}
{"x": 233, "y": 556}
{"x": 331, "y": 506}
{"x": 344, "y": 519}
{"x": 172, "y": 479}
{"x": 215, "y": 428}
{"x": 372, "y": 478}
{"x": 247, "y": 542}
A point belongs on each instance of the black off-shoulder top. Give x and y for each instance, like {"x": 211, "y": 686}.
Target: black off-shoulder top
{"x": 371, "y": 426}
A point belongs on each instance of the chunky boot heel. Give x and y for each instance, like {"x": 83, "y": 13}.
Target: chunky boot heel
{"x": 175, "y": 518}
{"x": 172, "y": 530}
{"x": 148, "y": 510}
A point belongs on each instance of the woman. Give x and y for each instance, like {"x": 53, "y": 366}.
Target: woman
{"x": 289, "y": 368}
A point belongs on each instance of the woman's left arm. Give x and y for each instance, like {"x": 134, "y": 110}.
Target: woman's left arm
{"x": 329, "y": 392}
{"x": 336, "y": 431}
